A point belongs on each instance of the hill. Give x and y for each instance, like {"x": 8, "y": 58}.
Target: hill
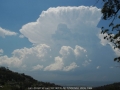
{"x": 114, "y": 86}
{"x": 10, "y": 80}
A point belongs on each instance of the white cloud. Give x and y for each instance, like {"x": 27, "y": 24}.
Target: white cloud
{"x": 116, "y": 50}
{"x": 4, "y": 32}
{"x": 64, "y": 39}
{"x": 66, "y": 50}
{"x": 57, "y": 65}
{"x": 10, "y": 61}
{"x": 70, "y": 67}
{"x": 104, "y": 42}
{"x": 37, "y": 67}
{"x": 1, "y": 51}
{"x": 65, "y": 28}
{"x": 68, "y": 55}
{"x": 29, "y": 57}
{"x": 98, "y": 67}
{"x": 38, "y": 51}
{"x": 75, "y": 18}
{"x": 26, "y": 56}
{"x": 61, "y": 36}
{"x": 79, "y": 50}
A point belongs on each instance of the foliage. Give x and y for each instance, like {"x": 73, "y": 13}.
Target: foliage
{"x": 111, "y": 10}
{"x": 10, "y": 80}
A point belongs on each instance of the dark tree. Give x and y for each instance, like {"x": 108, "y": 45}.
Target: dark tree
{"x": 110, "y": 11}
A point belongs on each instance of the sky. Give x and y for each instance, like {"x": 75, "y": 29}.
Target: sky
{"x": 56, "y": 40}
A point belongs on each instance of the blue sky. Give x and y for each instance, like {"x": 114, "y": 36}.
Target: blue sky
{"x": 56, "y": 40}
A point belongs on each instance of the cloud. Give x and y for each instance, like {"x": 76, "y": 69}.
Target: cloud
{"x": 1, "y": 51}
{"x": 57, "y": 65}
{"x": 116, "y": 50}
{"x": 65, "y": 21}
{"x": 66, "y": 50}
{"x": 65, "y": 28}
{"x": 37, "y": 67}
{"x": 38, "y": 51}
{"x": 4, "y": 32}
{"x": 105, "y": 42}
{"x": 68, "y": 55}
{"x": 26, "y": 57}
{"x": 65, "y": 46}
{"x": 21, "y": 36}
{"x": 10, "y": 61}
{"x": 39, "y": 55}
{"x": 62, "y": 37}
{"x": 79, "y": 50}
{"x": 70, "y": 67}
{"x": 111, "y": 67}
{"x": 86, "y": 62}
{"x": 98, "y": 67}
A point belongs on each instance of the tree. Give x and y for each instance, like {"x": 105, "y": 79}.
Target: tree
{"x": 110, "y": 10}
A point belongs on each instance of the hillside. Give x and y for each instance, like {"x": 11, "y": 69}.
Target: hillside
{"x": 114, "y": 86}
{"x": 10, "y": 80}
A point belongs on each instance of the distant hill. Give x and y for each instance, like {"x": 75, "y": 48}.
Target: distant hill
{"x": 114, "y": 86}
{"x": 10, "y": 80}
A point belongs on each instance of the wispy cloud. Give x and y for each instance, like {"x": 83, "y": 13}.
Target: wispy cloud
{"x": 21, "y": 36}
{"x": 4, "y": 32}
{"x": 37, "y": 67}
{"x": 111, "y": 67}
{"x": 98, "y": 67}
{"x": 1, "y": 51}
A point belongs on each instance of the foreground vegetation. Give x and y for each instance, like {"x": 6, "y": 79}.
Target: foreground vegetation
{"x": 10, "y": 80}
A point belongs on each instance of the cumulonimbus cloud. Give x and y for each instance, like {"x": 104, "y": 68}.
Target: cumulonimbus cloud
{"x": 64, "y": 27}
{"x": 62, "y": 36}
{"x": 76, "y": 20}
